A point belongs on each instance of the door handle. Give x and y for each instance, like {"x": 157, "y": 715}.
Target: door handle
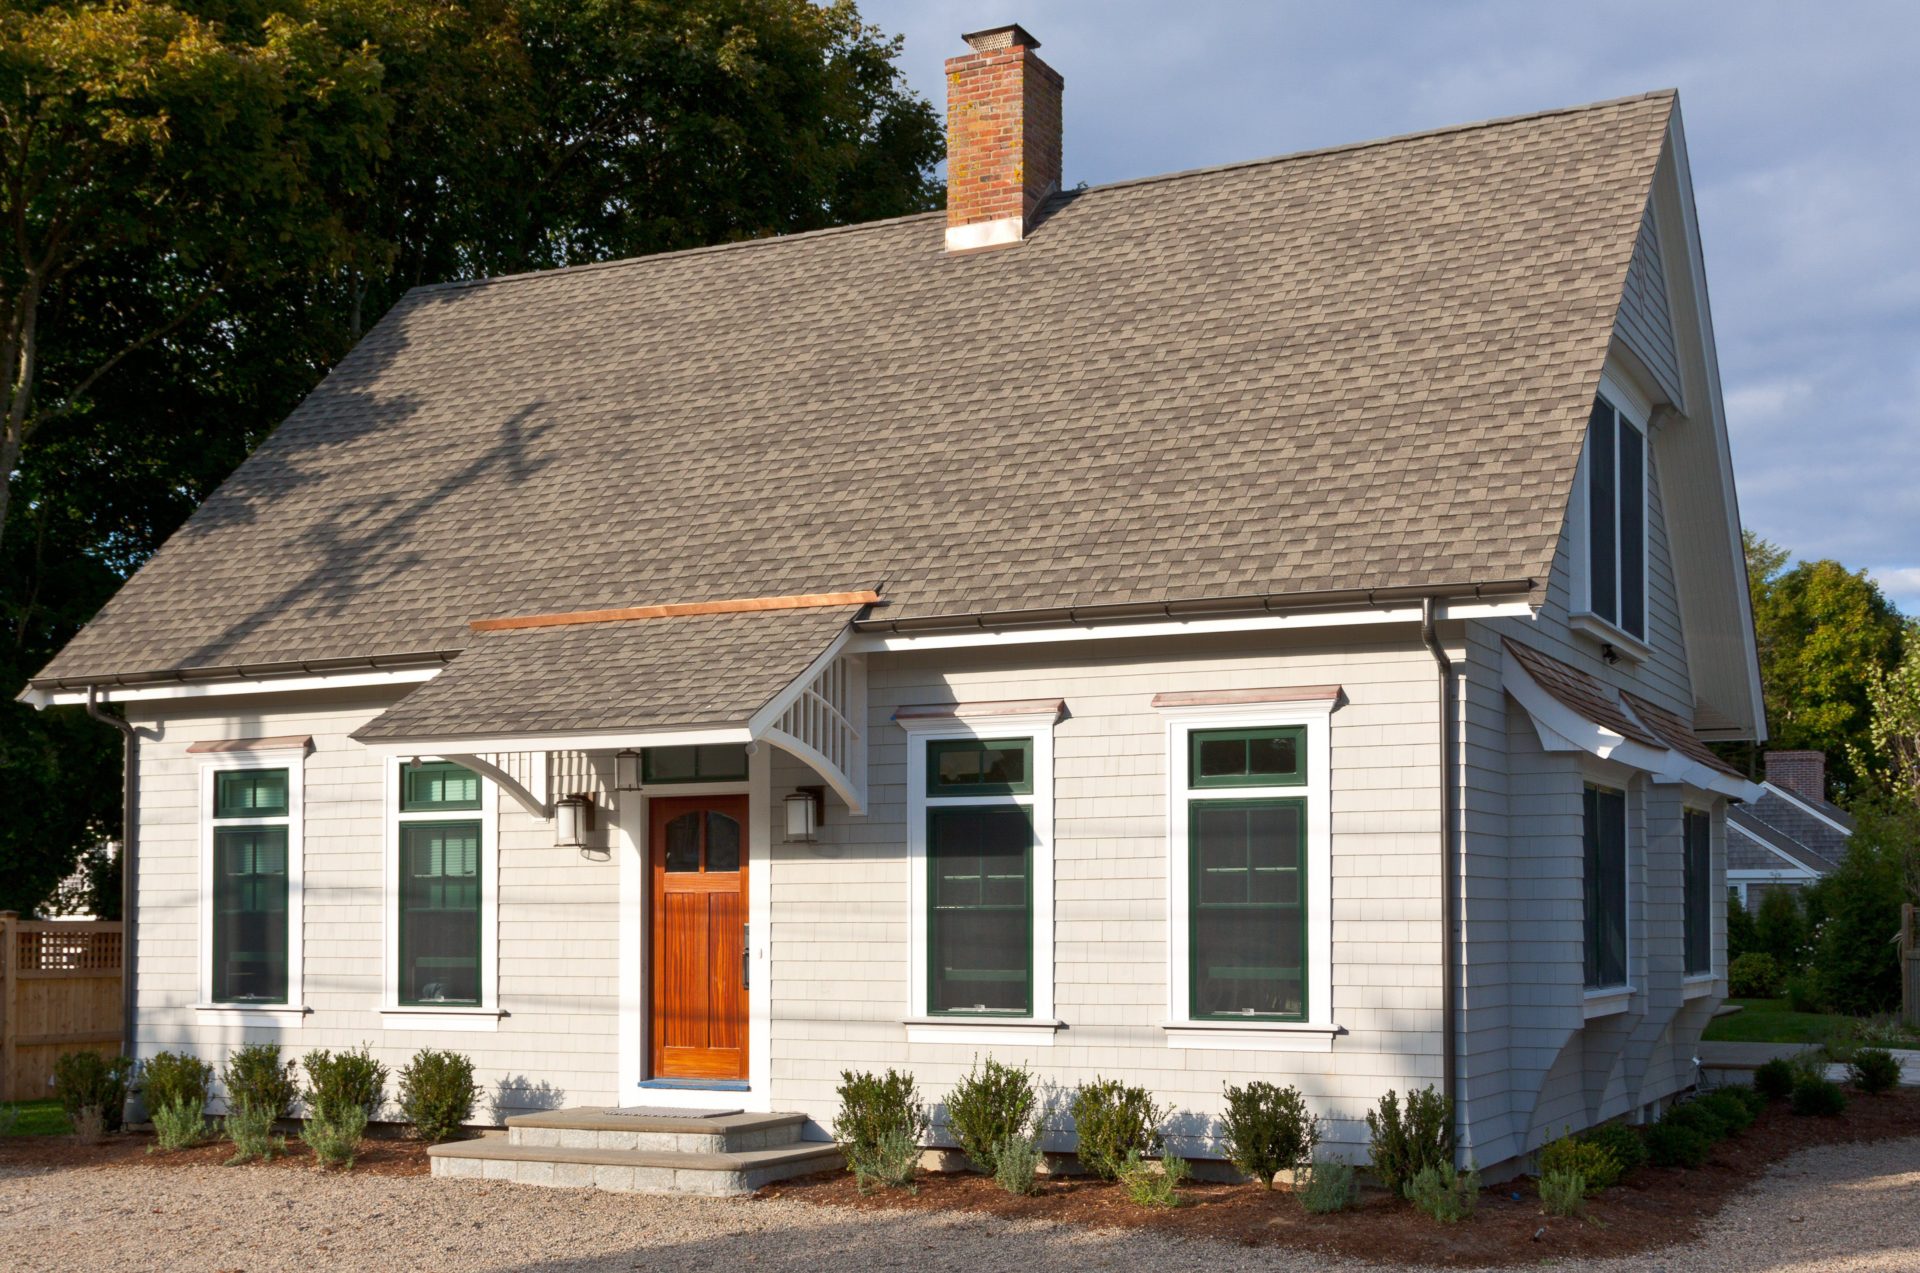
{"x": 746, "y": 959}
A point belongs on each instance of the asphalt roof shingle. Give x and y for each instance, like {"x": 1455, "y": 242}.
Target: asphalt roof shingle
{"x": 1368, "y": 367}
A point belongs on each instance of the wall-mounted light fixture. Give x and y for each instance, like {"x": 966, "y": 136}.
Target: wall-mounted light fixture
{"x": 572, "y": 819}
{"x": 806, "y": 811}
{"x": 1608, "y": 653}
{"x": 626, "y": 770}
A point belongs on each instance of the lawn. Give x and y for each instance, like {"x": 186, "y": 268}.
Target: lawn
{"x": 34, "y": 1118}
{"x": 1772, "y": 1021}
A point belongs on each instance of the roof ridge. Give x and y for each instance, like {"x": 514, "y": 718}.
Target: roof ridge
{"x": 1395, "y": 139}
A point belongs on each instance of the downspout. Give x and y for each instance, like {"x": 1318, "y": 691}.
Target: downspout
{"x": 1449, "y": 904}
{"x": 129, "y": 837}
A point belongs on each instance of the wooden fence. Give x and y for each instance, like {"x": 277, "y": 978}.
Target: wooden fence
{"x": 1910, "y": 964}
{"x": 59, "y": 992}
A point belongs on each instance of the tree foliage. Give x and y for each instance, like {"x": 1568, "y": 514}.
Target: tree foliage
{"x": 208, "y": 201}
{"x": 1892, "y": 755}
{"x": 1824, "y": 632}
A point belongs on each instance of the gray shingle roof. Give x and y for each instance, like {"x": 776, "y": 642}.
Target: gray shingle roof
{"x": 1745, "y": 820}
{"x": 1791, "y": 823}
{"x": 635, "y": 675}
{"x": 1367, "y": 367}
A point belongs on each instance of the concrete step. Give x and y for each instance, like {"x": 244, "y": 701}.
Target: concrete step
{"x": 493, "y": 1157}
{"x": 602, "y": 1127}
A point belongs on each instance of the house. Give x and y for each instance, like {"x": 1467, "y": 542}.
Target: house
{"x": 1791, "y": 836}
{"x": 1253, "y": 622}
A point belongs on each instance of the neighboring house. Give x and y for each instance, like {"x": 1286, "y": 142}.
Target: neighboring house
{"x": 1790, "y": 836}
{"x": 1253, "y": 622}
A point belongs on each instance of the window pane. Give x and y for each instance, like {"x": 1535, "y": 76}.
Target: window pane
{"x": 1605, "y": 834}
{"x": 250, "y": 915}
{"x": 1698, "y": 849}
{"x": 970, "y": 767}
{"x": 1602, "y": 496}
{"x": 1247, "y": 757}
{"x": 1633, "y": 531}
{"x": 440, "y": 912}
{"x": 1248, "y": 924}
{"x": 438, "y": 785}
{"x": 723, "y": 843}
{"x": 980, "y": 952}
{"x": 250, "y": 793}
{"x": 683, "y": 843}
{"x": 706, "y": 762}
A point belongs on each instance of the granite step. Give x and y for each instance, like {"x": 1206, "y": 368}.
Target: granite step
{"x": 493, "y": 1157}
{"x": 603, "y": 1127}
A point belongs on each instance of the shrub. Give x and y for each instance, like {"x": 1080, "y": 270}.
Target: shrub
{"x": 1873, "y": 1070}
{"x": 1700, "y": 1117}
{"x": 1594, "y": 1164}
{"x": 1403, "y": 1145}
{"x": 1732, "y": 1112}
{"x": 1741, "y": 937}
{"x": 1774, "y": 1080}
{"x": 1754, "y": 975}
{"x": 1671, "y": 1145}
{"x": 89, "y": 1124}
{"x": 1447, "y": 1195}
{"x": 993, "y": 1103}
{"x": 1267, "y": 1130}
{"x": 250, "y": 1128}
{"x": 1780, "y": 928}
{"x": 1751, "y": 1097}
{"x": 87, "y": 1080}
{"x": 1856, "y": 970}
{"x": 1802, "y": 992}
{"x": 892, "y": 1160}
{"x": 1621, "y": 1142}
{"x": 1563, "y": 1193}
{"x": 1817, "y": 1096}
{"x": 1016, "y": 1164}
{"x": 1113, "y": 1119}
{"x": 436, "y": 1093}
{"x": 334, "y": 1137}
{"x": 1330, "y": 1186}
{"x": 336, "y": 1080}
{"x": 256, "y": 1078}
{"x": 179, "y": 1124}
{"x": 879, "y": 1111}
{"x": 1148, "y": 1185}
{"x": 169, "y": 1079}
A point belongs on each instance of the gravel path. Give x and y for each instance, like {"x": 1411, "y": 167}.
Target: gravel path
{"x": 1845, "y": 1208}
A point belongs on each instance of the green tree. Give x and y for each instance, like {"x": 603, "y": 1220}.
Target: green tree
{"x": 1892, "y": 756}
{"x": 1741, "y": 934}
{"x": 1856, "y": 965}
{"x": 1780, "y": 930}
{"x": 1824, "y": 631}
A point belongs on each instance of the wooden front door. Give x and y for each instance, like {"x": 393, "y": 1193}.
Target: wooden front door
{"x": 699, "y": 1015}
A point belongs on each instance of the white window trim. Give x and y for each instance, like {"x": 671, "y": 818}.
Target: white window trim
{"x": 1634, "y": 410}
{"x": 1037, "y": 1029}
{"x": 293, "y": 760}
{"x": 1605, "y": 1000}
{"x": 486, "y": 1014}
{"x": 1317, "y": 1032}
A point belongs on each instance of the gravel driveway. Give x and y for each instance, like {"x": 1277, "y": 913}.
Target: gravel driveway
{"x": 1848, "y": 1207}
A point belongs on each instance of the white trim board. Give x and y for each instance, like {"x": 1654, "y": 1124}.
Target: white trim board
{"x": 228, "y": 689}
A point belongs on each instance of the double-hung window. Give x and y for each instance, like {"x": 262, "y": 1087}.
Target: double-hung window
{"x": 441, "y": 887}
{"x": 1247, "y": 874}
{"x": 1613, "y": 520}
{"x": 1697, "y": 847}
{"x": 251, "y": 876}
{"x": 1604, "y": 827}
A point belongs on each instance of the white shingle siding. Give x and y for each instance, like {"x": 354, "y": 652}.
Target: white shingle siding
{"x": 1646, "y": 319}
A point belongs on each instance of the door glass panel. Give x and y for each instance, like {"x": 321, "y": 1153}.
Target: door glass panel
{"x": 683, "y": 843}
{"x": 723, "y": 842}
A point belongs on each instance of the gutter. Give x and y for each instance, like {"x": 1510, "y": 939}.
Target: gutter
{"x": 129, "y": 859}
{"x": 239, "y": 671}
{"x": 1209, "y": 607}
{"x": 1450, "y": 940}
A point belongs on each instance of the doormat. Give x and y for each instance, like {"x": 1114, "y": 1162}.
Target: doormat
{"x": 663, "y": 1111}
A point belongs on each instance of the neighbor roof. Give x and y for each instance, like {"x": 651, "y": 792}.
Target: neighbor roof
{"x": 1746, "y": 821}
{"x": 1361, "y": 368}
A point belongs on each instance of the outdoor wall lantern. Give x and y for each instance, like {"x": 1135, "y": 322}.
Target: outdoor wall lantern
{"x": 626, "y": 770}
{"x": 572, "y": 819}
{"x": 806, "y": 810}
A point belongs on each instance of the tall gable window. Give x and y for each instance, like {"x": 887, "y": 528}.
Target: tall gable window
{"x": 1613, "y": 519}
{"x": 1697, "y": 845}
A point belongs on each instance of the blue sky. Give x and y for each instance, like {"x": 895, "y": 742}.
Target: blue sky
{"x": 1803, "y": 127}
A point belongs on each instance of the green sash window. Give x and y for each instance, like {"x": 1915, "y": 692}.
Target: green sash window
{"x": 250, "y": 889}
{"x": 440, "y": 913}
{"x": 705, "y": 762}
{"x": 980, "y": 875}
{"x": 1246, "y": 891}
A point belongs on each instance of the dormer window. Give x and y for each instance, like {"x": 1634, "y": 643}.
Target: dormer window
{"x": 1610, "y": 521}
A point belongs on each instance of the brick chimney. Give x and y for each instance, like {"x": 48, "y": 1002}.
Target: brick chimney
{"x": 1804, "y": 773}
{"x": 1003, "y": 138}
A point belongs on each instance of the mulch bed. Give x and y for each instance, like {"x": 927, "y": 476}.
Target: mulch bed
{"x": 382, "y": 1154}
{"x": 1656, "y": 1207}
